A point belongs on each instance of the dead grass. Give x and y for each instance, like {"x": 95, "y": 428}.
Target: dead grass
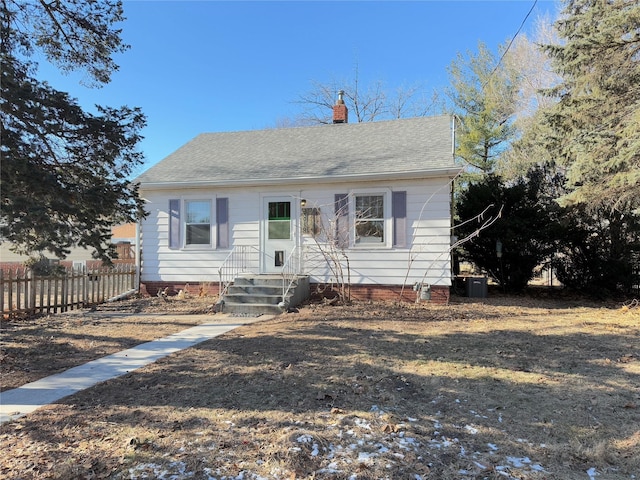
{"x": 514, "y": 388}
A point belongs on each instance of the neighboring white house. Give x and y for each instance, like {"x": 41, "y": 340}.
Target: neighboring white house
{"x": 123, "y": 236}
{"x": 378, "y": 194}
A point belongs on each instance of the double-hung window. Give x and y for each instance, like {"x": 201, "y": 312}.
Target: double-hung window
{"x": 370, "y": 219}
{"x": 198, "y": 222}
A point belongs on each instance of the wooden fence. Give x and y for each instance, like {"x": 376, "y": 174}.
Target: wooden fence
{"x": 23, "y": 293}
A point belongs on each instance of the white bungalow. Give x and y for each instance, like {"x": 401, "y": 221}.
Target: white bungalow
{"x": 366, "y": 204}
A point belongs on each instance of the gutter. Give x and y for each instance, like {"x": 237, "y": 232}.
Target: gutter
{"x": 448, "y": 172}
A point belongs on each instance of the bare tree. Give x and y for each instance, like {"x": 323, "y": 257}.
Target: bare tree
{"x": 327, "y": 224}
{"x": 536, "y": 74}
{"x": 366, "y": 102}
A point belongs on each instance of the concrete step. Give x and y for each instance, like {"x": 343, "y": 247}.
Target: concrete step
{"x": 273, "y": 280}
{"x": 251, "y": 289}
{"x": 254, "y": 298}
{"x": 262, "y": 294}
{"x": 251, "y": 309}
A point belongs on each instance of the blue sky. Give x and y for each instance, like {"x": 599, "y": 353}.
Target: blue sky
{"x": 213, "y": 66}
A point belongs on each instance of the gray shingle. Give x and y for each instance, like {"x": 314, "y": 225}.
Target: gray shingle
{"x": 395, "y": 146}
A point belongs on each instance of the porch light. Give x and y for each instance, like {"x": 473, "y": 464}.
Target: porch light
{"x": 303, "y": 202}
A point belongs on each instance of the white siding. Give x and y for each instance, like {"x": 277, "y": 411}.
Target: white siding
{"x": 426, "y": 257}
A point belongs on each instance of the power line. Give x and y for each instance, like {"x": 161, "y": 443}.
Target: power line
{"x": 535, "y": 2}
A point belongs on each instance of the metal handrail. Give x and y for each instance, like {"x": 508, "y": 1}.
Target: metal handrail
{"x": 290, "y": 271}
{"x": 238, "y": 261}
{"x": 246, "y": 259}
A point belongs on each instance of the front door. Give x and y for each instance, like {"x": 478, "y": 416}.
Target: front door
{"x": 277, "y": 233}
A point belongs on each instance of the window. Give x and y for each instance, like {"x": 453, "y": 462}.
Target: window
{"x": 198, "y": 222}
{"x": 310, "y": 221}
{"x": 369, "y": 219}
{"x": 279, "y": 220}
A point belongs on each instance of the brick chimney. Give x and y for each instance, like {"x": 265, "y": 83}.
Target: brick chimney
{"x": 340, "y": 112}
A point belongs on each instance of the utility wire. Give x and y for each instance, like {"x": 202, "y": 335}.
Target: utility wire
{"x": 535, "y": 2}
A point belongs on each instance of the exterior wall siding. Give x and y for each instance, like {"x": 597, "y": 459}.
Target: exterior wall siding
{"x": 425, "y": 259}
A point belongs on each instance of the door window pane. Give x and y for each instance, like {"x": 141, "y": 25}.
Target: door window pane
{"x": 279, "y": 220}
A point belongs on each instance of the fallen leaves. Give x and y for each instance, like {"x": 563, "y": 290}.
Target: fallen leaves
{"x": 413, "y": 391}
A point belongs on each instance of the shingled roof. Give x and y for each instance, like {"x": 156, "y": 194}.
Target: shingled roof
{"x": 402, "y": 147}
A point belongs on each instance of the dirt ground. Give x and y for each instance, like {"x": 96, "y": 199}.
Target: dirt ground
{"x": 503, "y": 387}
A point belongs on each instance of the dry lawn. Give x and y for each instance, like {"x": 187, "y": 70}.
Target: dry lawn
{"x": 503, "y": 388}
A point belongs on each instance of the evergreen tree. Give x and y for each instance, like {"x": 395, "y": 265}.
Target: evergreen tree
{"x": 596, "y": 121}
{"x": 64, "y": 171}
{"x": 483, "y": 98}
{"x": 526, "y": 231}
{"x": 600, "y": 250}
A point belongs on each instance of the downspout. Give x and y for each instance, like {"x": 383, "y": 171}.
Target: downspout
{"x": 453, "y": 137}
{"x": 138, "y": 259}
{"x": 452, "y": 262}
{"x": 301, "y": 204}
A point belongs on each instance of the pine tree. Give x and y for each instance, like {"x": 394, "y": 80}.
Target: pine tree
{"x": 483, "y": 99}
{"x": 65, "y": 172}
{"x": 596, "y": 121}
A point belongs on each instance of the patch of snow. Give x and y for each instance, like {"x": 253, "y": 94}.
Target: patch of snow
{"x": 592, "y": 472}
{"x": 471, "y": 430}
{"x": 364, "y": 457}
{"x": 519, "y": 462}
{"x": 382, "y": 449}
{"x": 360, "y": 446}
{"x": 155, "y": 471}
{"x": 362, "y": 423}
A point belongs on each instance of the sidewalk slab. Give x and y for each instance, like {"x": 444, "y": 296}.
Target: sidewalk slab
{"x": 23, "y": 400}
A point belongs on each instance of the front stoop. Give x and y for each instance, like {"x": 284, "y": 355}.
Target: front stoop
{"x": 262, "y": 295}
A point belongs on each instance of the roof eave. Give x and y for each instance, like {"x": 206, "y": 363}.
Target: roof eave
{"x": 447, "y": 172}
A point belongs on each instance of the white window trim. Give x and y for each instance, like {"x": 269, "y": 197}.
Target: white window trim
{"x": 212, "y": 223}
{"x": 388, "y": 219}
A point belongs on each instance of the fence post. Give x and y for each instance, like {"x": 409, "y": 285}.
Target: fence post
{"x": 73, "y": 300}
{"x": 63, "y": 294}
{"x": 34, "y": 289}
{"x": 10, "y": 307}
{"x": 1, "y": 290}
{"x": 18, "y": 289}
{"x": 41, "y": 288}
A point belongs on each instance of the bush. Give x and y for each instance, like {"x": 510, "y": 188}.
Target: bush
{"x": 41, "y": 266}
{"x": 526, "y": 228}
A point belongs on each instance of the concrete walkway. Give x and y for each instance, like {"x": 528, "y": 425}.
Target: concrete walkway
{"x": 23, "y": 400}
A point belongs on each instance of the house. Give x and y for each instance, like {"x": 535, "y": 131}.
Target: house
{"x": 368, "y": 204}
{"x": 122, "y": 236}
